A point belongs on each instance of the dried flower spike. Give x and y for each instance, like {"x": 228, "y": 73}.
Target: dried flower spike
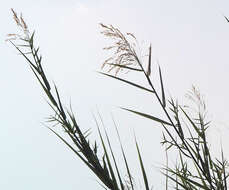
{"x": 22, "y": 25}
{"x": 124, "y": 56}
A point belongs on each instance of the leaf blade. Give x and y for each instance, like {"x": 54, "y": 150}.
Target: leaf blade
{"x": 128, "y": 82}
{"x": 162, "y": 89}
{"x": 142, "y": 167}
{"x": 148, "y": 116}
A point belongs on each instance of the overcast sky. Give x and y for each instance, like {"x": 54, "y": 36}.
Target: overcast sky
{"x": 189, "y": 39}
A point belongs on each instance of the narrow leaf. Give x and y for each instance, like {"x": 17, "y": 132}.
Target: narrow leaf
{"x": 60, "y": 104}
{"x": 142, "y": 167}
{"x": 226, "y": 18}
{"x": 75, "y": 151}
{"x": 116, "y": 166}
{"x": 23, "y": 54}
{"x": 148, "y": 116}
{"x": 124, "y": 66}
{"x": 31, "y": 39}
{"x": 162, "y": 89}
{"x": 124, "y": 156}
{"x": 108, "y": 140}
{"x": 149, "y": 63}
{"x": 128, "y": 82}
{"x": 111, "y": 170}
{"x": 191, "y": 121}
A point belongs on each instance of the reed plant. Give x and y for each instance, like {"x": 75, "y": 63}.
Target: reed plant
{"x": 183, "y": 130}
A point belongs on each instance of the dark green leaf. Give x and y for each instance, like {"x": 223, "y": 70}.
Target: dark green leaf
{"x": 142, "y": 167}
{"x": 149, "y": 63}
{"x": 162, "y": 89}
{"x": 148, "y": 116}
{"x": 128, "y": 82}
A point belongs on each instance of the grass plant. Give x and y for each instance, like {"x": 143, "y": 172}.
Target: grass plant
{"x": 183, "y": 130}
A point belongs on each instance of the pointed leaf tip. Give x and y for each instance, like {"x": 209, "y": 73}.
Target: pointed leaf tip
{"x": 148, "y": 116}
{"x": 162, "y": 89}
{"x": 142, "y": 167}
{"x": 128, "y": 82}
{"x": 149, "y": 63}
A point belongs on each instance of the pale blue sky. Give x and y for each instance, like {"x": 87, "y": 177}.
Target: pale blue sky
{"x": 188, "y": 37}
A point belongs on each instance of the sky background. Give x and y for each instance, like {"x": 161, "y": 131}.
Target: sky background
{"x": 189, "y": 39}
